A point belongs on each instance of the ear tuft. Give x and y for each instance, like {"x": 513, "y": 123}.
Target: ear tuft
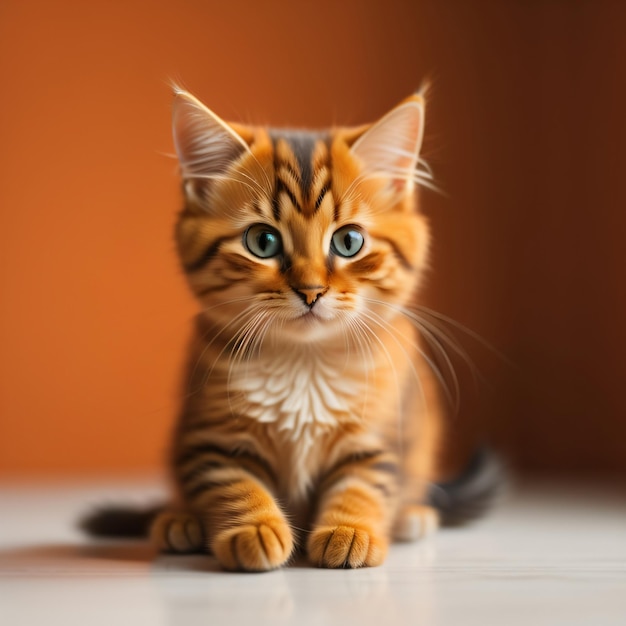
{"x": 390, "y": 147}
{"x": 206, "y": 145}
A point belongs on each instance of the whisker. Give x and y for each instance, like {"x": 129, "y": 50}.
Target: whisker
{"x": 468, "y": 331}
{"x": 453, "y": 398}
{"x": 390, "y": 330}
{"x": 243, "y": 348}
{"x": 439, "y": 336}
{"x": 418, "y": 177}
{"x": 397, "y": 383}
{"x": 270, "y": 186}
{"x": 242, "y": 340}
{"x": 224, "y": 328}
{"x": 361, "y": 343}
{"x": 432, "y": 365}
{"x": 222, "y": 177}
{"x": 231, "y": 343}
{"x": 422, "y": 175}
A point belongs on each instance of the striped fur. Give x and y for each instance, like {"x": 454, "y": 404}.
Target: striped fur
{"x": 312, "y": 418}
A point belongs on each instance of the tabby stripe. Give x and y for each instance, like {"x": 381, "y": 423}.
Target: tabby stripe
{"x": 292, "y": 170}
{"x": 202, "y": 423}
{"x": 232, "y": 456}
{"x": 362, "y": 494}
{"x": 201, "y": 467}
{"x": 355, "y": 457}
{"x": 337, "y": 211}
{"x": 281, "y": 186}
{"x": 216, "y": 288}
{"x": 256, "y": 207}
{"x": 369, "y": 264}
{"x": 276, "y": 208}
{"x": 394, "y": 246}
{"x": 350, "y": 459}
{"x": 205, "y": 486}
{"x": 213, "y": 249}
{"x": 192, "y": 452}
{"x": 320, "y": 198}
{"x": 363, "y": 473}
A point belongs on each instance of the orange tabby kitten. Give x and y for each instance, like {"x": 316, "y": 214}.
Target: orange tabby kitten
{"x": 313, "y": 417}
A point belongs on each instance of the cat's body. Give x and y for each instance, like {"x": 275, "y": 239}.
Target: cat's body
{"x": 312, "y": 415}
{"x": 303, "y": 418}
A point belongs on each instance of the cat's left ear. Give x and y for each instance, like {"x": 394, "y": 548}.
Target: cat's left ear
{"x": 390, "y": 147}
{"x": 205, "y": 144}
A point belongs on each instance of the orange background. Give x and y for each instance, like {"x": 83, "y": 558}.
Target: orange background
{"x": 525, "y": 133}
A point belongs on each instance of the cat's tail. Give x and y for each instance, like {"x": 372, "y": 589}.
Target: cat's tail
{"x": 119, "y": 521}
{"x": 469, "y": 496}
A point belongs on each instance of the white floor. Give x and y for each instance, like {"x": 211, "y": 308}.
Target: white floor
{"x": 549, "y": 555}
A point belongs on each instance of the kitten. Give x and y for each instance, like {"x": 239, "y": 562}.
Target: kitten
{"x": 313, "y": 417}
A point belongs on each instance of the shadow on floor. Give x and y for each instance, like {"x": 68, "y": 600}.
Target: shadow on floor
{"x": 97, "y": 557}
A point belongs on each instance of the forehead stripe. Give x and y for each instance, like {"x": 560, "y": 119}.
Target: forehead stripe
{"x": 320, "y": 198}
{"x": 281, "y": 187}
{"x": 302, "y": 146}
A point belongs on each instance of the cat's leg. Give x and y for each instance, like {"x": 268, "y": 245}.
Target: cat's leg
{"x": 245, "y": 528}
{"x": 356, "y": 508}
{"x": 179, "y": 532}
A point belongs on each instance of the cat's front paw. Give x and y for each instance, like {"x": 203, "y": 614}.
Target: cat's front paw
{"x": 346, "y": 546}
{"x": 254, "y": 547}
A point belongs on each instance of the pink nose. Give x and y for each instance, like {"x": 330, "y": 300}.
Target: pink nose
{"x": 309, "y": 295}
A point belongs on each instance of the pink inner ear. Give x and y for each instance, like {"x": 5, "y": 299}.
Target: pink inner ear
{"x": 205, "y": 144}
{"x": 391, "y": 146}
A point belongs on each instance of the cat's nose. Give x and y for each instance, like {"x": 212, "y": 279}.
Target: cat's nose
{"x": 310, "y": 294}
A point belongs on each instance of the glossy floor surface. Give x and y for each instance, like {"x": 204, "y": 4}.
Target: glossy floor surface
{"x": 548, "y": 555}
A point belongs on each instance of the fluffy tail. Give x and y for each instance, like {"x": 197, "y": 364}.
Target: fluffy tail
{"x": 469, "y": 496}
{"x": 119, "y": 522}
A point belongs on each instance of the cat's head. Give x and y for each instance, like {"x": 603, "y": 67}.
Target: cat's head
{"x": 296, "y": 234}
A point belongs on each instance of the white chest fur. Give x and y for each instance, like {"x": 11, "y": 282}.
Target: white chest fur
{"x": 302, "y": 392}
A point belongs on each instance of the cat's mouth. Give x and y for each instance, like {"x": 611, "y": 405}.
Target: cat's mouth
{"x": 310, "y": 326}
{"x": 309, "y": 316}
{"x": 312, "y": 323}
{"x": 314, "y": 315}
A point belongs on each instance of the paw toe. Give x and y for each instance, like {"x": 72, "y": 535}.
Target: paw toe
{"x": 254, "y": 548}
{"x": 345, "y": 546}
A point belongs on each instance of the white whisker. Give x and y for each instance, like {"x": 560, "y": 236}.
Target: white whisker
{"x": 468, "y": 331}
{"x": 362, "y": 345}
{"x": 392, "y": 366}
{"x": 224, "y": 328}
{"x": 253, "y": 184}
{"x": 453, "y": 399}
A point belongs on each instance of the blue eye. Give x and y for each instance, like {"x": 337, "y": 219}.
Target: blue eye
{"x": 263, "y": 241}
{"x": 347, "y": 241}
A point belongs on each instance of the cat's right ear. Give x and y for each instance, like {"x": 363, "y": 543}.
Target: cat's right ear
{"x": 206, "y": 145}
{"x": 391, "y": 146}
